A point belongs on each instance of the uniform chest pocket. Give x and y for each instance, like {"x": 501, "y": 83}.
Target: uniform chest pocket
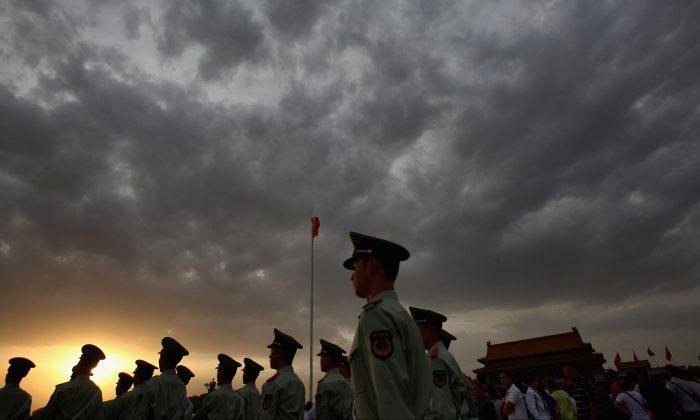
{"x": 357, "y": 367}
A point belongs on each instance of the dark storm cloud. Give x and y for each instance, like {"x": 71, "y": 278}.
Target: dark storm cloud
{"x": 522, "y": 163}
{"x": 226, "y": 31}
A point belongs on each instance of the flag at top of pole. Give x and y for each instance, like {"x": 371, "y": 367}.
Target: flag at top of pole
{"x": 315, "y": 224}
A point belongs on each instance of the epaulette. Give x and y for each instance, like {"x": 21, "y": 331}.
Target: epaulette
{"x": 273, "y": 377}
{"x": 374, "y": 302}
{"x": 321, "y": 380}
{"x": 434, "y": 353}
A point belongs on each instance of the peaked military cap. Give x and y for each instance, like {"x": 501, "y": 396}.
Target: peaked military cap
{"x": 330, "y": 348}
{"x": 425, "y": 315}
{"x": 125, "y": 377}
{"x": 92, "y": 352}
{"x": 446, "y": 338}
{"x": 251, "y": 366}
{"x": 144, "y": 366}
{"x": 227, "y": 362}
{"x": 184, "y": 371}
{"x": 21, "y": 363}
{"x": 170, "y": 345}
{"x": 369, "y": 245}
{"x": 285, "y": 341}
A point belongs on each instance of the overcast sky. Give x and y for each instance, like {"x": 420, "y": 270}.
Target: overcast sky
{"x": 160, "y": 162}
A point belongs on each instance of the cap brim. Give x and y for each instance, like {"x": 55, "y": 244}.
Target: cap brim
{"x": 350, "y": 263}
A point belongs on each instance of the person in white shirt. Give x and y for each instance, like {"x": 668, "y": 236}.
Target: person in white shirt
{"x": 687, "y": 393}
{"x": 514, "y": 403}
{"x": 631, "y": 402}
{"x": 536, "y": 405}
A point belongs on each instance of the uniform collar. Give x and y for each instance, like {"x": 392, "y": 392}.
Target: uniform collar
{"x": 285, "y": 369}
{"x": 439, "y": 345}
{"x": 82, "y": 378}
{"x": 168, "y": 372}
{"x": 11, "y": 386}
{"x": 387, "y": 294}
{"x": 226, "y": 387}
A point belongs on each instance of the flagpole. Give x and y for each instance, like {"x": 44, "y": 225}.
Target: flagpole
{"x": 311, "y": 324}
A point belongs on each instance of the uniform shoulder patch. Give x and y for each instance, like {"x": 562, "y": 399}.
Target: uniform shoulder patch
{"x": 439, "y": 378}
{"x": 382, "y": 346}
{"x": 267, "y": 401}
{"x": 434, "y": 353}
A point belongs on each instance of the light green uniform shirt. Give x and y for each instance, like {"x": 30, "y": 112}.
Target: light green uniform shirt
{"x": 223, "y": 403}
{"x": 251, "y": 401}
{"x": 390, "y": 373}
{"x": 448, "y": 385}
{"x": 333, "y": 397}
{"x": 161, "y": 399}
{"x": 79, "y": 399}
{"x": 282, "y": 396}
{"x": 15, "y": 403}
{"x": 120, "y": 407}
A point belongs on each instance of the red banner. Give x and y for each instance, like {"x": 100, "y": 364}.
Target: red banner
{"x": 315, "y": 224}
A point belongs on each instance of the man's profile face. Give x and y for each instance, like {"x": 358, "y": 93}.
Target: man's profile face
{"x": 360, "y": 277}
{"x": 425, "y": 333}
{"x": 276, "y": 357}
{"x": 326, "y": 363}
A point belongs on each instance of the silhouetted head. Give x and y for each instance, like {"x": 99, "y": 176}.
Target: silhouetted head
{"x": 123, "y": 383}
{"x": 143, "y": 372}
{"x": 226, "y": 369}
{"x": 171, "y": 354}
{"x": 251, "y": 371}
{"x": 18, "y": 369}
{"x": 374, "y": 263}
{"x": 282, "y": 350}
{"x": 89, "y": 358}
{"x": 185, "y": 374}
{"x": 429, "y": 325}
{"x": 330, "y": 355}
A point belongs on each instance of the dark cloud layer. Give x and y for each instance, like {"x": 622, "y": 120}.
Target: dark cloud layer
{"x": 525, "y": 154}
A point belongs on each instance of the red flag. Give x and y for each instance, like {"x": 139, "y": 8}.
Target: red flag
{"x": 636, "y": 359}
{"x": 618, "y": 359}
{"x": 315, "y": 224}
{"x": 668, "y": 354}
{"x": 650, "y": 353}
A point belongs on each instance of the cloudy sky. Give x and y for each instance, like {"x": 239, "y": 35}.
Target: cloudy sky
{"x": 160, "y": 162}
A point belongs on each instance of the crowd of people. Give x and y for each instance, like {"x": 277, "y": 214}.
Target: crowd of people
{"x": 672, "y": 394}
{"x": 399, "y": 367}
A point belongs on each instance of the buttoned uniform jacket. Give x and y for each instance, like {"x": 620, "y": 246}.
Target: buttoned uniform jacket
{"x": 448, "y": 385}
{"x": 121, "y": 406}
{"x": 390, "y": 372}
{"x": 282, "y": 396}
{"x": 15, "y": 403}
{"x": 223, "y": 403}
{"x": 333, "y": 397}
{"x": 78, "y": 399}
{"x": 251, "y": 401}
{"x": 161, "y": 399}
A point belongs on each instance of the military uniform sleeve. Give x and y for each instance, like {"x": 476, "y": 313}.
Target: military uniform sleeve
{"x": 383, "y": 350}
{"x": 290, "y": 401}
{"x": 458, "y": 384}
{"x": 211, "y": 404}
{"x": 323, "y": 406}
{"x": 53, "y": 406}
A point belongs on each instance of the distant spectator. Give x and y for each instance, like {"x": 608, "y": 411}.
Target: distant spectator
{"x": 687, "y": 394}
{"x": 514, "y": 403}
{"x": 582, "y": 391}
{"x": 485, "y": 406}
{"x": 631, "y": 402}
{"x": 536, "y": 405}
{"x": 614, "y": 383}
{"x": 498, "y": 401}
{"x": 659, "y": 398}
{"x": 565, "y": 407}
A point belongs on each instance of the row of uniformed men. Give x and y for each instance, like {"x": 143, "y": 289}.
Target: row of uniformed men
{"x": 391, "y": 375}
